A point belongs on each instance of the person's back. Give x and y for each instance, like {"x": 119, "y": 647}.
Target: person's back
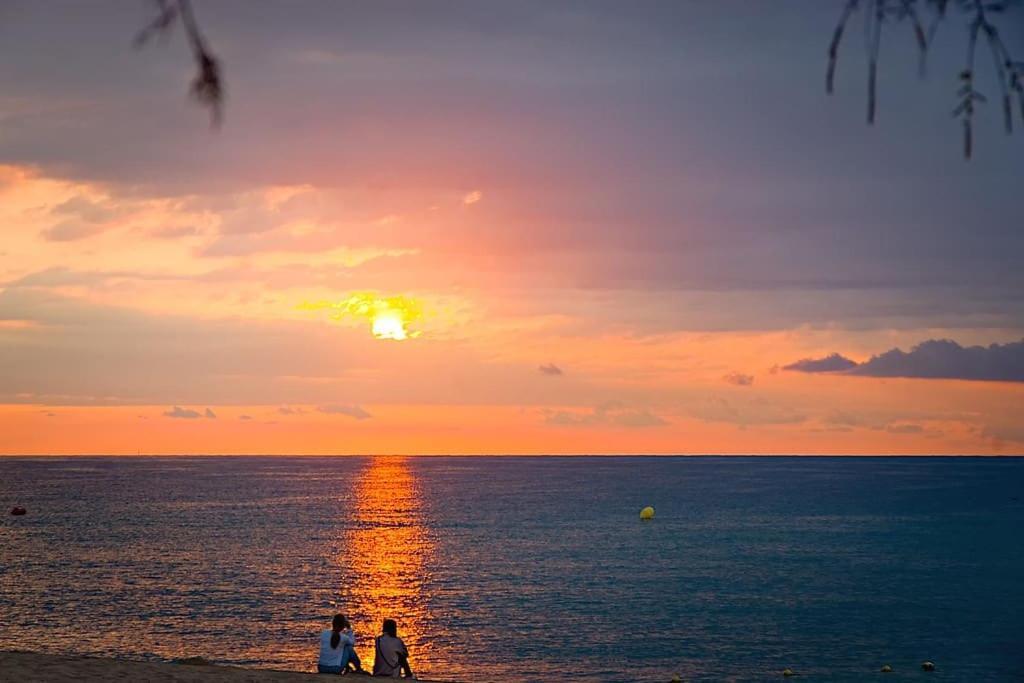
{"x": 392, "y": 656}
{"x": 336, "y": 647}
{"x": 330, "y": 656}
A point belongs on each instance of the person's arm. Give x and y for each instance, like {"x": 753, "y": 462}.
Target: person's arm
{"x": 349, "y": 637}
{"x": 403, "y": 661}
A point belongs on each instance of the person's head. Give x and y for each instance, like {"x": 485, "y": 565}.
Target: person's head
{"x": 337, "y": 624}
{"x": 390, "y": 628}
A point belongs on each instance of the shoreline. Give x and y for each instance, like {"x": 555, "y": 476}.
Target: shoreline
{"x": 20, "y": 665}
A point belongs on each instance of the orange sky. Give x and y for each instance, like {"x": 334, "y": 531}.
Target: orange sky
{"x": 563, "y": 249}
{"x": 124, "y": 342}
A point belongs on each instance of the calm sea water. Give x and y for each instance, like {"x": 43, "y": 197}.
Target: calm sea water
{"x": 527, "y": 567}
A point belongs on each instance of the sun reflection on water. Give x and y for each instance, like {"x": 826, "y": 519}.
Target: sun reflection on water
{"x": 385, "y": 557}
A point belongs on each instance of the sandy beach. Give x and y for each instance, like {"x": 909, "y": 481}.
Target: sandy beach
{"x": 29, "y": 667}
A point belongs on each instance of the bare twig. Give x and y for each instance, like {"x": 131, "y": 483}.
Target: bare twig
{"x": 208, "y": 85}
{"x": 1008, "y": 72}
{"x": 837, "y": 37}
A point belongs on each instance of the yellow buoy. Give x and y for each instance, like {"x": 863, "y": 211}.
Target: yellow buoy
{"x": 787, "y": 672}
{"x": 647, "y": 513}
{"x": 886, "y": 669}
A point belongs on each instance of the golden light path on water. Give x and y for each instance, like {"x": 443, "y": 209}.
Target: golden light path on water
{"x": 386, "y": 556}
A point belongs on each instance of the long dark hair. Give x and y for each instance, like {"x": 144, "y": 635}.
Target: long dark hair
{"x": 337, "y": 624}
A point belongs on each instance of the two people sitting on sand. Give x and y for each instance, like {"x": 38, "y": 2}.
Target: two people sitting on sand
{"x": 337, "y": 650}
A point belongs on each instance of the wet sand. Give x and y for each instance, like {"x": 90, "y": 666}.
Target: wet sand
{"x": 29, "y": 667}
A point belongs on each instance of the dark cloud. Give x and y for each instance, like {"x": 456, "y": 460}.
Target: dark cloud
{"x": 945, "y": 359}
{"x": 931, "y": 359}
{"x": 550, "y": 370}
{"x": 210, "y": 414}
{"x": 739, "y": 379}
{"x": 831, "y": 363}
{"x": 182, "y": 413}
{"x": 351, "y": 410}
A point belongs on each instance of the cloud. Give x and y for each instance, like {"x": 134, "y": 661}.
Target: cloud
{"x": 931, "y": 359}
{"x": 1001, "y": 433}
{"x": 84, "y": 209}
{"x": 351, "y": 410}
{"x": 739, "y": 379}
{"x": 288, "y": 410}
{"x": 80, "y": 218}
{"x": 744, "y": 410}
{"x": 62, "y": 276}
{"x": 188, "y": 414}
{"x": 550, "y": 370}
{"x": 904, "y": 428}
{"x": 245, "y": 417}
{"x": 472, "y": 197}
{"x": 945, "y": 359}
{"x": 830, "y": 363}
{"x": 69, "y": 231}
{"x": 182, "y": 413}
{"x": 608, "y": 414}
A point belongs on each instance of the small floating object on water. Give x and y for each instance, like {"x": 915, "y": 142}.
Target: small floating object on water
{"x": 886, "y": 669}
{"x": 928, "y": 666}
{"x": 787, "y": 672}
{"x": 647, "y": 513}
{"x": 677, "y": 679}
{"x": 18, "y": 510}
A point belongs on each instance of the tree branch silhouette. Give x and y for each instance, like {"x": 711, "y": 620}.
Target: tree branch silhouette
{"x": 207, "y": 86}
{"x": 979, "y": 22}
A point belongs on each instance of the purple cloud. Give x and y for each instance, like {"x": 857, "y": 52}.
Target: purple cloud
{"x": 830, "y": 363}
{"x": 945, "y": 359}
{"x": 182, "y": 413}
{"x": 739, "y": 379}
{"x": 931, "y": 359}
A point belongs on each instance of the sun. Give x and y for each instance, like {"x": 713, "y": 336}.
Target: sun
{"x": 389, "y": 325}
{"x": 389, "y": 316}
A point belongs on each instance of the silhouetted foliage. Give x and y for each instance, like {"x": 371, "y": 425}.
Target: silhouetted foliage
{"x": 924, "y": 17}
{"x": 980, "y": 20}
{"x": 208, "y": 85}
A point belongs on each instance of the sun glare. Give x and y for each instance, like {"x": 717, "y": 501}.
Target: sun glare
{"x": 389, "y": 325}
{"x": 389, "y": 316}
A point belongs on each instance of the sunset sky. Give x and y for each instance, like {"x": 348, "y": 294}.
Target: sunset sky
{"x": 525, "y": 227}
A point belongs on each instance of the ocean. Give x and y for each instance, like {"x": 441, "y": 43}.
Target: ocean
{"x": 527, "y": 568}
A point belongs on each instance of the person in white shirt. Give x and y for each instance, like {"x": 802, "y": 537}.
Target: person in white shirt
{"x": 337, "y": 648}
{"x": 392, "y": 654}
